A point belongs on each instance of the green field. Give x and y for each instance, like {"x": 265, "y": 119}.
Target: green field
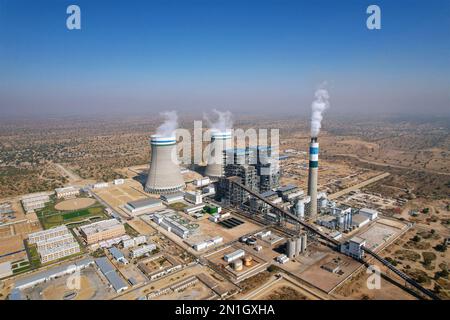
{"x": 50, "y": 217}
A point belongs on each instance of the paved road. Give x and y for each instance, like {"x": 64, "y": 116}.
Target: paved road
{"x": 358, "y": 186}
{"x": 72, "y": 176}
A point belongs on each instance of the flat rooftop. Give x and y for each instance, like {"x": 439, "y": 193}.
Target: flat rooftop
{"x": 141, "y": 203}
{"x": 100, "y": 226}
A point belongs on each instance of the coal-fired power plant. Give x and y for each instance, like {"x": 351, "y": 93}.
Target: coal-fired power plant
{"x": 164, "y": 175}
{"x": 216, "y": 158}
{"x": 312, "y": 175}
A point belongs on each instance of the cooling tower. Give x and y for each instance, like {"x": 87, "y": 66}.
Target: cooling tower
{"x": 312, "y": 176}
{"x": 216, "y": 160}
{"x": 164, "y": 175}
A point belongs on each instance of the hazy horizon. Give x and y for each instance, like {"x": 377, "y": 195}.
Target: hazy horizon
{"x": 264, "y": 58}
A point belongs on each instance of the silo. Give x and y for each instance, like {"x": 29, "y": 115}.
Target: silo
{"x": 164, "y": 175}
{"x": 304, "y": 242}
{"x": 290, "y": 248}
{"x": 216, "y": 157}
{"x": 298, "y": 246}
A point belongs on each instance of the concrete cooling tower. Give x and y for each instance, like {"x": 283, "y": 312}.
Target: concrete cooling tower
{"x": 164, "y": 175}
{"x": 216, "y": 160}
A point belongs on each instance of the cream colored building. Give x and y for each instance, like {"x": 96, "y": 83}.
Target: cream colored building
{"x": 67, "y": 192}
{"x": 47, "y": 234}
{"x": 59, "y": 252}
{"x": 102, "y": 230}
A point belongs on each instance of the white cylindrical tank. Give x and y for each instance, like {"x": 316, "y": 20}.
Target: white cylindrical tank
{"x": 164, "y": 175}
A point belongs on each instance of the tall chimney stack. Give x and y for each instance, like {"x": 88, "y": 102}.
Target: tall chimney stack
{"x": 312, "y": 175}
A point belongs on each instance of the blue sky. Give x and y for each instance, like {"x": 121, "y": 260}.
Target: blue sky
{"x": 242, "y": 55}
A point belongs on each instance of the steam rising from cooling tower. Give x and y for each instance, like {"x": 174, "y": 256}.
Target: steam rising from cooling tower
{"x": 164, "y": 175}
{"x": 223, "y": 122}
{"x": 169, "y": 125}
{"x": 319, "y": 105}
{"x": 220, "y": 136}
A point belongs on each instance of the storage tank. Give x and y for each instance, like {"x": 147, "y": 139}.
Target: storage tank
{"x": 304, "y": 242}
{"x": 290, "y": 248}
{"x": 237, "y": 265}
{"x": 248, "y": 261}
{"x": 164, "y": 175}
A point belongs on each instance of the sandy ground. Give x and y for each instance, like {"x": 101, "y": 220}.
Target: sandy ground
{"x": 58, "y": 291}
{"x": 74, "y": 204}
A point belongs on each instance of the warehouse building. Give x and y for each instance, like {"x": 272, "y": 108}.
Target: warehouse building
{"x": 370, "y": 213}
{"x": 143, "y": 205}
{"x": 360, "y": 220}
{"x": 108, "y": 270}
{"x": 53, "y": 273}
{"x": 102, "y": 230}
{"x": 234, "y": 255}
{"x": 118, "y": 255}
{"x": 172, "y": 197}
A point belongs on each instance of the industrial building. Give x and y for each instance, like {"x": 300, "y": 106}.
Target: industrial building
{"x": 47, "y": 275}
{"x": 295, "y": 246}
{"x": 268, "y": 168}
{"x": 290, "y": 193}
{"x": 164, "y": 175}
{"x": 164, "y": 219}
{"x": 140, "y": 251}
{"x": 108, "y": 270}
{"x": 234, "y": 255}
{"x": 67, "y": 192}
{"x": 143, "y": 205}
{"x": 202, "y": 182}
{"x": 354, "y": 247}
{"x": 172, "y": 197}
{"x": 102, "y": 230}
{"x": 360, "y": 220}
{"x": 194, "y": 208}
{"x": 194, "y": 197}
{"x": 35, "y": 201}
{"x": 208, "y": 243}
{"x": 118, "y": 255}
{"x": 370, "y": 213}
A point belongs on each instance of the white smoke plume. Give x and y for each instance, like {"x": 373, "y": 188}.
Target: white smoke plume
{"x": 318, "y": 107}
{"x": 223, "y": 122}
{"x": 170, "y": 124}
